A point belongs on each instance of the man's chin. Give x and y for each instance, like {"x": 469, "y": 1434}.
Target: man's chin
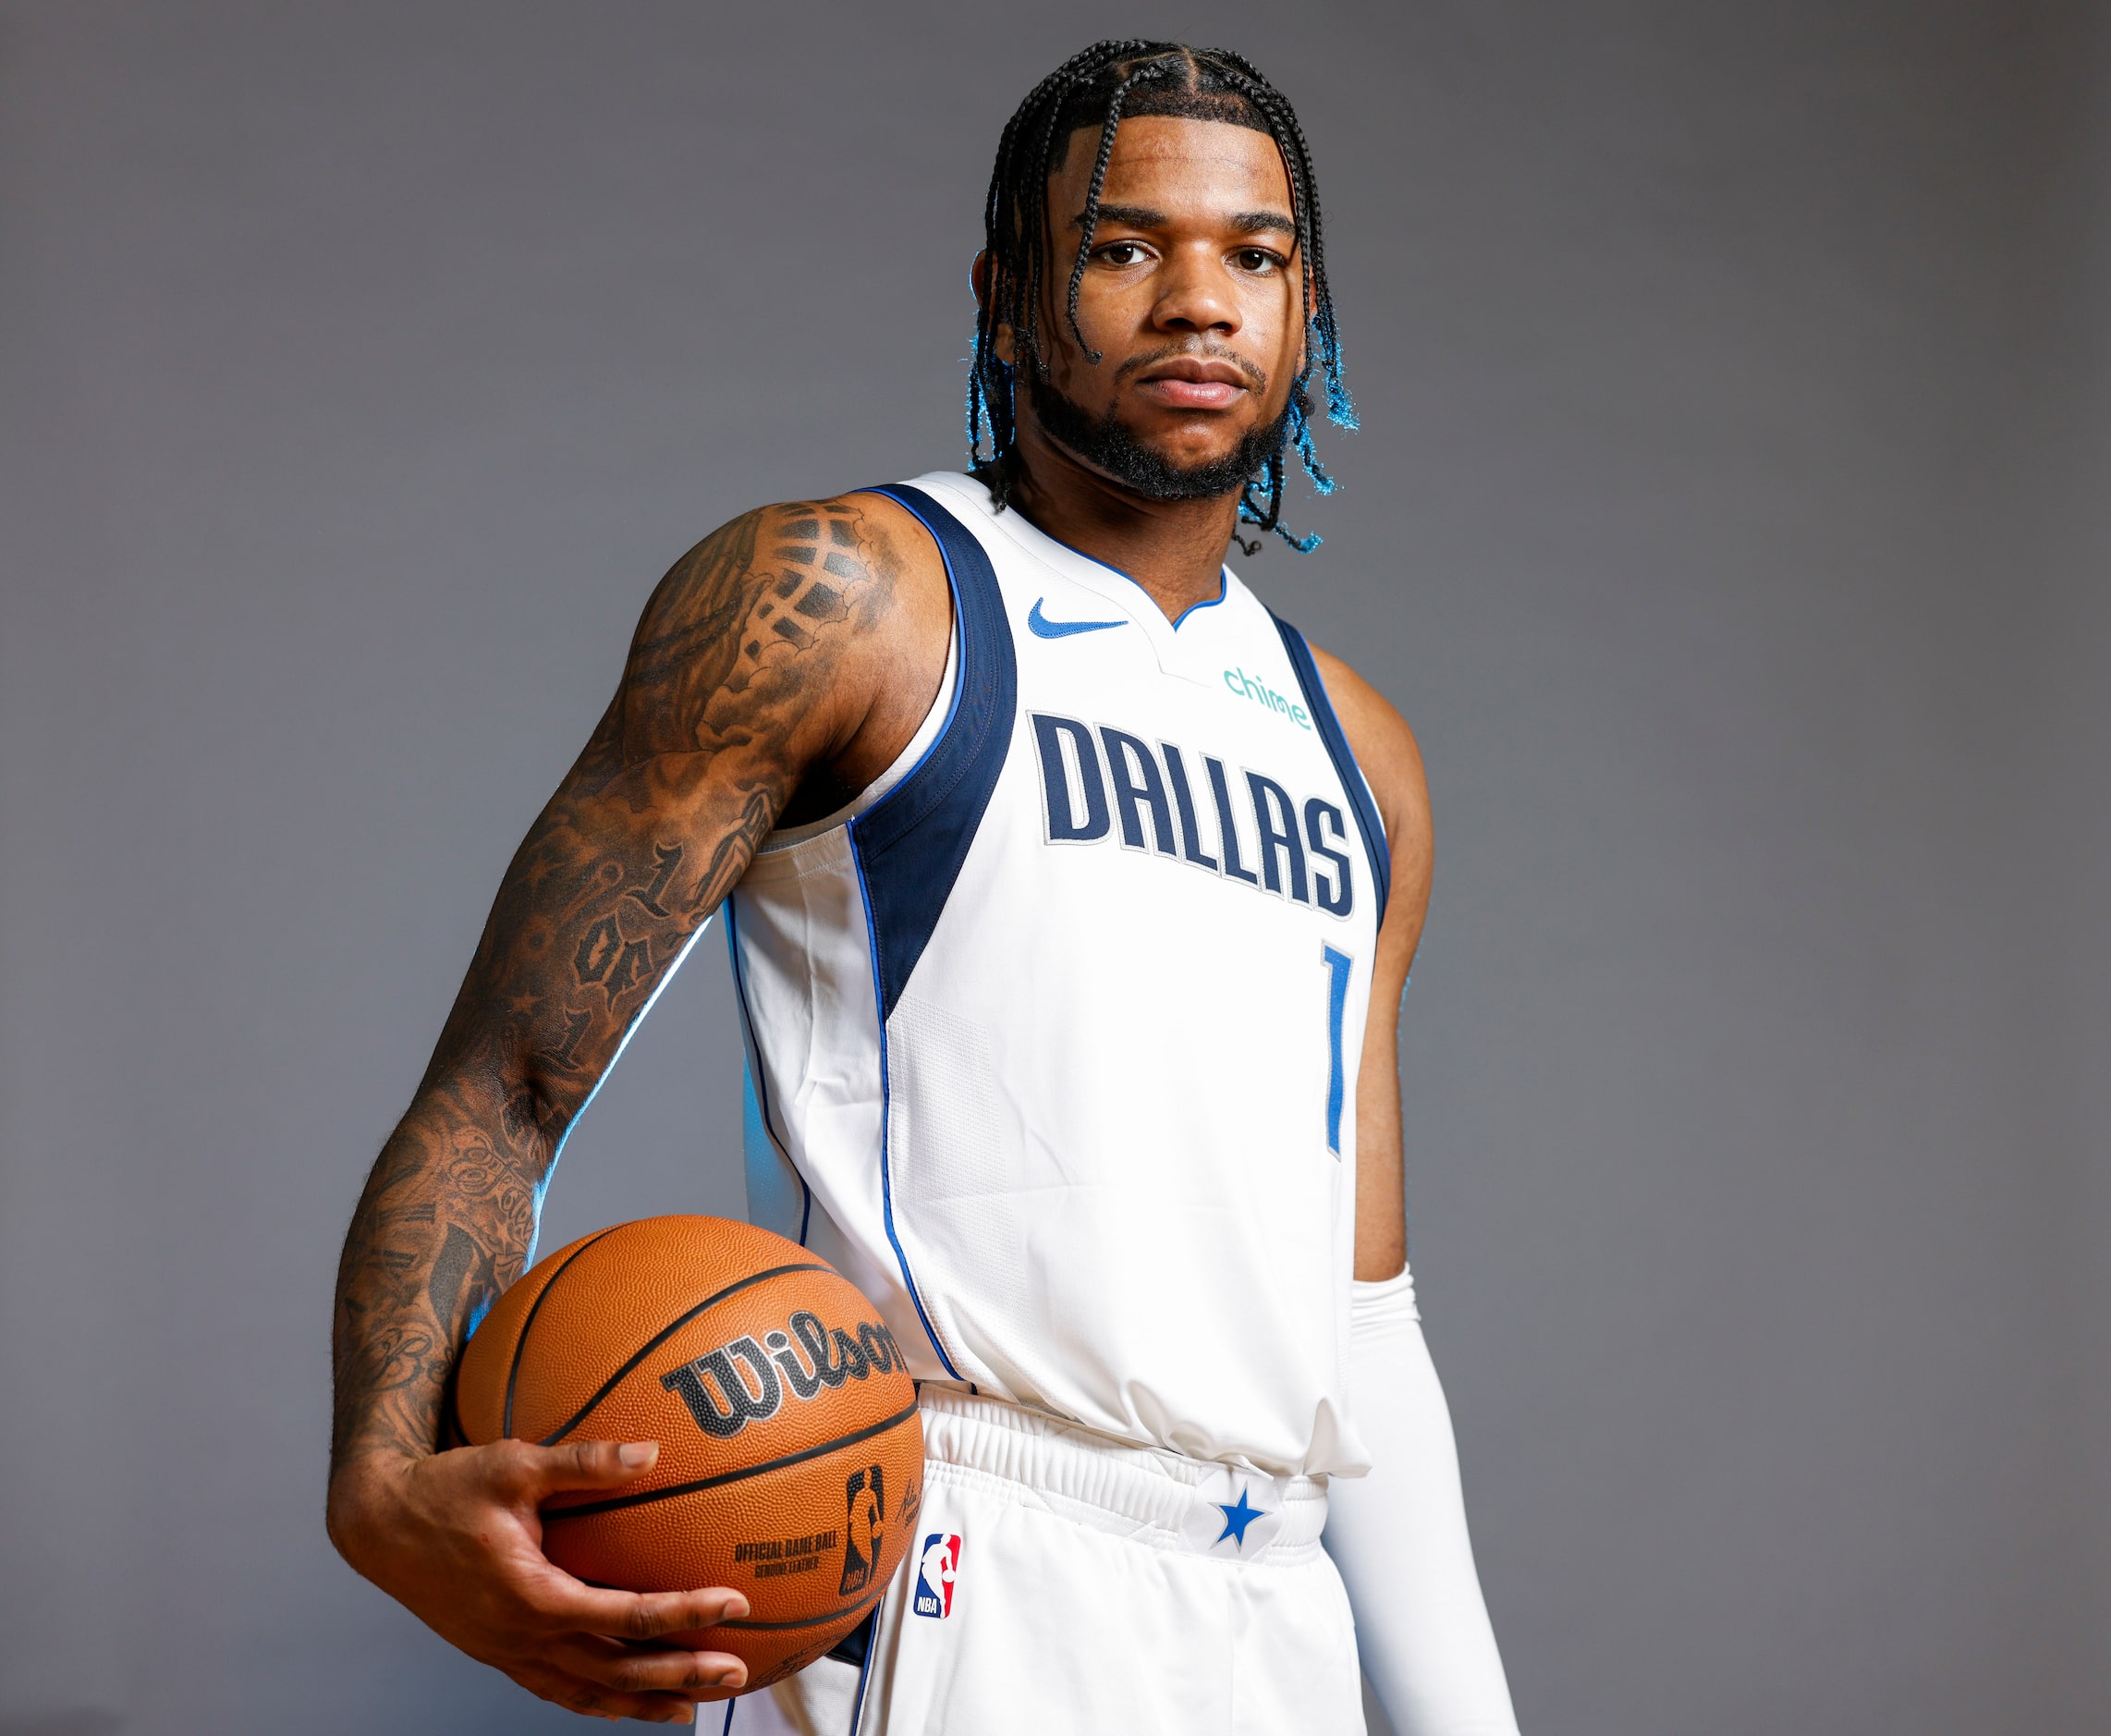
{"x": 1157, "y": 470}
{"x": 1168, "y": 472}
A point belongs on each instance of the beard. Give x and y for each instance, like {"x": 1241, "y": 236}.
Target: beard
{"x": 1107, "y": 443}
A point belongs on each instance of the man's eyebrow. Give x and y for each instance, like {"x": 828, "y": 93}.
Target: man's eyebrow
{"x": 1147, "y": 217}
{"x": 1135, "y": 216}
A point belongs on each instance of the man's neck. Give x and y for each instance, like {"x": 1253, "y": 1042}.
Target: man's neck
{"x": 1173, "y": 548}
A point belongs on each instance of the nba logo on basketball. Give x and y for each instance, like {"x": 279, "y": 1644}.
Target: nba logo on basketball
{"x": 937, "y": 1569}
{"x": 864, "y": 1529}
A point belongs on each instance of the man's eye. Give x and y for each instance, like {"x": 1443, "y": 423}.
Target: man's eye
{"x": 1257, "y": 259}
{"x": 1121, "y": 252}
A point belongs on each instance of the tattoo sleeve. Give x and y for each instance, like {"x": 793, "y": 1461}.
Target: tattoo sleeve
{"x": 726, "y": 699}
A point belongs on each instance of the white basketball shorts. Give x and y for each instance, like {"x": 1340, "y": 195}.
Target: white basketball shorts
{"x": 1058, "y": 1581}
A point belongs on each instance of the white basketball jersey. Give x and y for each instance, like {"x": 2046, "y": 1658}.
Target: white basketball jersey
{"x": 1053, "y": 1041}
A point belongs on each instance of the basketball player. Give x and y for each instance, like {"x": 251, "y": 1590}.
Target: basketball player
{"x": 1071, "y": 897}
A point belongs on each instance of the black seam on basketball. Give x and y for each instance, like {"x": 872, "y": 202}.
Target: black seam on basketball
{"x": 854, "y": 1611}
{"x": 654, "y": 1343}
{"x": 527, "y": 1326}
{"x": 552, "y": 1514}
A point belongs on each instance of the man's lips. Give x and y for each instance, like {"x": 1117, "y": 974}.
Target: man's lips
{"x": 1191, "y": 394}
{"x": 1192, "y": 382}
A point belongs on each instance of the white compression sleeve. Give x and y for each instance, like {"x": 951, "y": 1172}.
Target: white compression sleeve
{"x": 1398, "y": 1536}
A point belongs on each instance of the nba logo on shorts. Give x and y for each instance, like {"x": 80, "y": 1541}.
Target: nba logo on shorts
{"x": 937, "y": 1569}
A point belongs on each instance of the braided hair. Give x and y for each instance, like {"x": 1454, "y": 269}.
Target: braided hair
{"x": 1096, "y": 87}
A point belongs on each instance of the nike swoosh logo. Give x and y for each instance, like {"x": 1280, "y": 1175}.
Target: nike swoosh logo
{"x": 1045, "y": 629}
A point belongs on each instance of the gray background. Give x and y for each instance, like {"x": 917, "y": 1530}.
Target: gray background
{"x": 1729, "y": 521}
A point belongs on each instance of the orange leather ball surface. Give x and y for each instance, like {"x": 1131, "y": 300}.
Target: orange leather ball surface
{"x": 791, "y": 1454}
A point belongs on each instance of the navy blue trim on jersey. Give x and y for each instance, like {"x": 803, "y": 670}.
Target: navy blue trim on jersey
{"x": 887, "y": 1131}
{"x": 1337, "y": 748}
{"x": 911, "y": 843}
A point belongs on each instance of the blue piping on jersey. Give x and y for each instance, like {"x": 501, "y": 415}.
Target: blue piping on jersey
{"x": 630, "y": 1030}
{"x": 1222, "y": 583}
{"x": 757, "y": 1080}
{"x": 952, "y": 705}
{"x": 886, "y": 1168}
{"x": 1353, "y": 783}
{"x": 865, "y": 1668}
{"x": 1223, "y": 590}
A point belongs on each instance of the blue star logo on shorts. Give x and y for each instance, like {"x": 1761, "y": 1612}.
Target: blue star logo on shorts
{"x": 1237, "y": 1518}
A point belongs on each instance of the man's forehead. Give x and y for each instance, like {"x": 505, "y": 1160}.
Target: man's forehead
{"x": 1202, "y": 157}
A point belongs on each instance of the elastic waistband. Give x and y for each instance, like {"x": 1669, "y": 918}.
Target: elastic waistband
{"x": 1161, "y": 1497}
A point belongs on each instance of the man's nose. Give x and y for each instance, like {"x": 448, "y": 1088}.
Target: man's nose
{"x": 1194, "y": 296}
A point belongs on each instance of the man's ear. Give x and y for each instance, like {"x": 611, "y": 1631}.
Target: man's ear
{"x": 1003, "y": 340}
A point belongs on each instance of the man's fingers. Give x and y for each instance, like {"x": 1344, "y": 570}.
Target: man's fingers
{"x": 567, "y": 1604}
{"x": 650, "y": 1615}
{"x": 596, "y": 1701}
{"x": 577, "y": 1465}
{"x": 630, "y": 1669}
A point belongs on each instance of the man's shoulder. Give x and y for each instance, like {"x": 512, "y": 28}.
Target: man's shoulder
{"x": 794, "y": 566}
{"x": 777, "y": 607}
{"x": 846, "y": 535}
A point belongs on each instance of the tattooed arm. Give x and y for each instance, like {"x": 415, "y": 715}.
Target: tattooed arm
{"x": 795, "y": 649}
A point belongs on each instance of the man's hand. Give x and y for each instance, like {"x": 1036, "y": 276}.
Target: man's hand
{"x": 457, "y": 1537}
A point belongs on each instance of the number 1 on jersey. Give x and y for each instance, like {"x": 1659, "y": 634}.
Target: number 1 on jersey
{"x": 1338, "y": 965}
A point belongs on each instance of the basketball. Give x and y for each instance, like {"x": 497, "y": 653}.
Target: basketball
{"x": 791, "y": 1454}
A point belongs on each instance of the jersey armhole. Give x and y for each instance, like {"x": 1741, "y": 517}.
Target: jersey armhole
{"x": 1353, "y": 782}
{"x": 903, "y": 765}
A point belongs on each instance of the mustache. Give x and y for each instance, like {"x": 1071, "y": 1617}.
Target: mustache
{"x": 1248, "y": 371}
